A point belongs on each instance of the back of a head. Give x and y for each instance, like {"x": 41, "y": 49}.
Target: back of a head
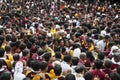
{"x": 88, "y": 76}
{"x": 58, "y": 55}
{"x": 22, "y": 46}
{"x": 25, "y": 52}
{"x": 70, "y": 77}
{"x": 1, "y": 63}
{"x": 108, "y": 63}
{"x": 5, "y": 76}
{"x": 57, "y": 70}
{"x": 98, "y": 64}
{"x": 2, "y": 52}
{"x": 43, "y": 65}
{"x": 35, "y": 65}
{"x": 101, "y": 56}
{"x": 7, "y": 48}
{"x": 16, "y": 57}
{"x": 47, "y": 56}
{"x": 67, "y": 58}
{"x": 115, "y": 76}
{"x": 79, "y": 69}
{"x": 118, "y": 69}
{"x": 75, "y": 60}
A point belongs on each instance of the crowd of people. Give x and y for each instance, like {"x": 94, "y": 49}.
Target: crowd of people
{"x": 59, "y": 40}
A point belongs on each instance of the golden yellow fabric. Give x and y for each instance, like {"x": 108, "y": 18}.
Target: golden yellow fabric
{"x": 71, "y": 52}
{"x": 8, "y": 63}
{"x": 91, "y": 48}
{"x": 62, "y": 56}
{"x": 27, "y": 72}
{"x": 36, "y": 77}
{"x": 103, "y": 9}
{"x": 10, "y": 57}
{"x": 53, "y": 31}
{"x": 3, "y": 46}
{"x": 52, "y": 74}
{"x": 51, "y": 51}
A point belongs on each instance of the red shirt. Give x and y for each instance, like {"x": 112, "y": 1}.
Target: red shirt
{"x": 98, "y": 73}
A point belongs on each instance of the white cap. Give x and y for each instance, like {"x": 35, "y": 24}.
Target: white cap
{"x": 113, "y": 48}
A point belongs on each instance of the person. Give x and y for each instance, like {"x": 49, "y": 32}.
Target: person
{"x": 75, "y": 61}
{"x": 6, "y": 76}
{"x": 79, "y": 72}
{"x": 88, "y": 76}
{"x": 34, "y": 70}
{"x": 25, "y": 57}
{"x": 98, "y": 65}
{"x": 115, "y": 75}
{"x": 70, "y": 77}
{"x": 44, "y": 68}
{"x": 102, "y": 43}
{"x": 18, "y": 71}
{"x": 65, "y": 64}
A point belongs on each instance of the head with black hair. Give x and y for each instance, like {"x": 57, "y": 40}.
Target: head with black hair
{"x": 32, "y": 40}
{"x": 7, "y": 48}
{"x": 106, "y": 38}
{"x": 118, "y": 69}
{"x": 1, "y": 63}
{"x": 1, "y": 32}
{"x": 8, "y": 37}
{"x": 80, "y": 69}
{"x": 1, "y": 52}
{"x": 88, "y": 76}
{"x": 47, "y": 56}
{"x": 58, "y": 55}
{"x": 43, "y": 45}
{"x": 22, "y": 46}
{"x": 13, "y": 39}
{"x": 26, "y": 53}
{"x": 115, "y": 76}
{"x": 75, "y": 46}
{"x": 101, "y": 56}
{"x": 29, "y": 45}
{"x": 90, "y": 56}
{"x": 57, "y": 70}
{"x": 108, "y": 30}
{"x": 40, "y": 52}
{"x": 70, "y": 77}
{"x": 44, "y": 66}
{"x": 98, "y": 64}
{"x": 34, "y": 65}
{"x": 75, "y": 60}
{"x": 16, "y": 57}
{"x": 63, "y": 50}
{"x": 1, "y": 43}
{"x": 108, "y": 63}
{"x": 96, "y": 36}
{"x": 5, "y": 76}
{"x": 1, "y": 38}
{"x": 67, "y": 58}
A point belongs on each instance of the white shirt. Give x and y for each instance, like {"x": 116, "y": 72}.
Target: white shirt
{"x": 79, "y": 76}
{"x": 101, "y": 45}
{"x": 65, "y": 66}
{"x": 18, "y": 71}
{"x": 19, "y": 76}
{"x": 77, "y": 52}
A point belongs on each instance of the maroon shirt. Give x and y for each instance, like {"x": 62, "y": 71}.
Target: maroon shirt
{"x": 98, "y": 73}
